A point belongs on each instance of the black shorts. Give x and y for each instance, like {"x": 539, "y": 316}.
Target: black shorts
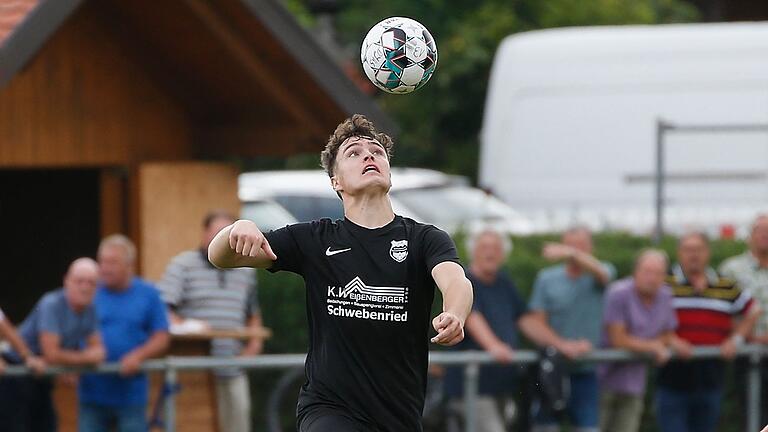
{"x": 330, "y": 420}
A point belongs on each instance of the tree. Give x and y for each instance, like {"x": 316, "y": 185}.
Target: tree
{"x": 440, "y": 123}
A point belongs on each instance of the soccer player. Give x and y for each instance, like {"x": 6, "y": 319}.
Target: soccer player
{"x": 369, "y": 287}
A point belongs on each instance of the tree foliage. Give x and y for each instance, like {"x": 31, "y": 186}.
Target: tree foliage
{"x": 440, "y": 123}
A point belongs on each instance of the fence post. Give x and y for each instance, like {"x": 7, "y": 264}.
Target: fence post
{"x": 471, "y": 376}
{"x": 753, "y": 393}
{"x": 171, "y": 382}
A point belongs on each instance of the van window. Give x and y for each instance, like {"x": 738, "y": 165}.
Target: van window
{"x": 308, "y": 208}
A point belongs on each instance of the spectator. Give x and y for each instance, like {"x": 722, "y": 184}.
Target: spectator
{"x": 639, "y": 317}
{"x": 498, "y": 310}
{"x": 566, "y": 301}
{"x": 134, "y": 325}
{"x": 61, "y": 328}
{"x": 689, "y": 393}
{"x": 9, "y": 333}
{"x": 750, "y": 271}
{"x": 225, "y": 299}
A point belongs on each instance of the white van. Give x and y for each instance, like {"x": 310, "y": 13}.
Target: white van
{"x": 569, "y": 132}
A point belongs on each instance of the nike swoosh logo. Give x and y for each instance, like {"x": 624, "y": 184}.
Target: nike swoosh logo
{"x": 329, "y": 252}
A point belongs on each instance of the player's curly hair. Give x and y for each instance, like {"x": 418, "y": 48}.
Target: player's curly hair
{"x": 357, "y": 125}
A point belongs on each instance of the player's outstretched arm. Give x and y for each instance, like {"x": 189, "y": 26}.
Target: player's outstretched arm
{"x": 457, "y": 303}
{"x": 241, "y": 244}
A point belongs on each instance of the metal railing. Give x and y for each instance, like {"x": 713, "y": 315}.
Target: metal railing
{"x": 471, "y": 360}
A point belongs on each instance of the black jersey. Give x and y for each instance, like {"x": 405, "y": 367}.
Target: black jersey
{"x": 369, "y": 294}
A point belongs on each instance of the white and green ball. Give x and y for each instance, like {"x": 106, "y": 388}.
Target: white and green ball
{"x": 399, "y": 55}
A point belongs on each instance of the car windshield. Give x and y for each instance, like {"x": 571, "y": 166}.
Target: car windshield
{"x": 266, "y": 214}
{"x": 307, "y": 208}
{"x": 453, "y": 204}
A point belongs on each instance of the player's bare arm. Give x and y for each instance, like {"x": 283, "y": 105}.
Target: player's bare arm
{"x": 241, "y": 244}
{"x": 457, "y": 303}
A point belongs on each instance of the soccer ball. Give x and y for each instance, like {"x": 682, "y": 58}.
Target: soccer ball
{"x": 399, "y": 55}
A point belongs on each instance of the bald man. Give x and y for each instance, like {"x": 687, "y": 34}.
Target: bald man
{"x": 61, "y": 328}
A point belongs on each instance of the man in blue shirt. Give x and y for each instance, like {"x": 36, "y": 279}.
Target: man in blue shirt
{"x": 61, "y": 328}
{"x": 497, "y": 313}
{"x": 134, "y": 326}
{"x": 568, "y": 300}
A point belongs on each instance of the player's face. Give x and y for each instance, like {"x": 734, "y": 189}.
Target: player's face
{"x": 80, "y": 285}
{"x": 361, "y": 165}
{"x": 488, "y": 253}
{"x": 115, "y": 268}
{"x": 649, "y": 275}
{"x": 693, "y": 254}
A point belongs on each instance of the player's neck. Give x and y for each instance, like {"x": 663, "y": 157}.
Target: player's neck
{"x": 369, "y": 211}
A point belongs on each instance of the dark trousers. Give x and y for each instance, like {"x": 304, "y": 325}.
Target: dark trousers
{"x": 26, "y": 404}
{"x": 688, "y": 411}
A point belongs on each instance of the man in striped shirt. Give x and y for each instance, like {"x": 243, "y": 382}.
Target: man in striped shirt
{"x": 689, "y": 392}
{"x": 225, "y": 299}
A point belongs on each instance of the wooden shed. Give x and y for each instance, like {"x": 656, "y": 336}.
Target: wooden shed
{"x": 125, "y": 116}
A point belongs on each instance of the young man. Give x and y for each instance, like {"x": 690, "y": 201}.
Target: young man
{"x": 370, "y": 284}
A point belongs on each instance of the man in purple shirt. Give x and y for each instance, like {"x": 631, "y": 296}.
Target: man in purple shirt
{"x": 638, "y": 316}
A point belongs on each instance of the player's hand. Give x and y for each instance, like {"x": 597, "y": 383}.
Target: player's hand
{"x": 246, "y": 239}
{"x": 574, "y": 349}
{"x": 557, "y": 251}
{"x": 502, "y": 353}
{"x": 449, "y": 328}
{"x": 36, "y": 364}
{"x": 130, "y": 364}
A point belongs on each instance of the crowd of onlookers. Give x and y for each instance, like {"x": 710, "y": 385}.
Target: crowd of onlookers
{"x": 105, "y": 313}
{"x": 663, "y": 310}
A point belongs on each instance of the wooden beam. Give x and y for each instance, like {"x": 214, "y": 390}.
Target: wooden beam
{"x": 241, "y": 51}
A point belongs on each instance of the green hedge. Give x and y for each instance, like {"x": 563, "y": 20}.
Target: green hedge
{"x": 282, "y": 300}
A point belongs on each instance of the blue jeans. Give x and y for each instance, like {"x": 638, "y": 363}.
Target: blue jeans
{"x": 583, "y": 403}
{"x": 688, "y": 411}
{"x": 99, "y": 418}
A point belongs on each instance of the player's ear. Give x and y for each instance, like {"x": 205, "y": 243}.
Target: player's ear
{"x": 335, "y": 184}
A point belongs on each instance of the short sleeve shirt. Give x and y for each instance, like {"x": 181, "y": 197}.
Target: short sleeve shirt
{"x": 746, "y": 271}
{"x": 501, "y": 305}
{"x": 623, "y": 305}
{"x": 224, "y": 298}
{"x": 127, "y": 319}
{"x": 369, "y": 294}
{"x": 567, "y": 300}
{"x": 52, "y": 314}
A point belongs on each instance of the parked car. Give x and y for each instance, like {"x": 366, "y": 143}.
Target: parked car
{"x": 428, "y": 196}
{"x": 267, "y": 214}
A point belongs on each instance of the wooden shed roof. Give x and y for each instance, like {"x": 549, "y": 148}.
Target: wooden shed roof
{"x": 244, "y": 71}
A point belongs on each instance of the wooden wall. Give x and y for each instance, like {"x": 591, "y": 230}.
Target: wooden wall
{"x": 82, "y": 101}
{"x": 173, "y": 199}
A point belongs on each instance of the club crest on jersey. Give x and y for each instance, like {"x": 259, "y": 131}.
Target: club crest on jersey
{"x": 399, "y": 250}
